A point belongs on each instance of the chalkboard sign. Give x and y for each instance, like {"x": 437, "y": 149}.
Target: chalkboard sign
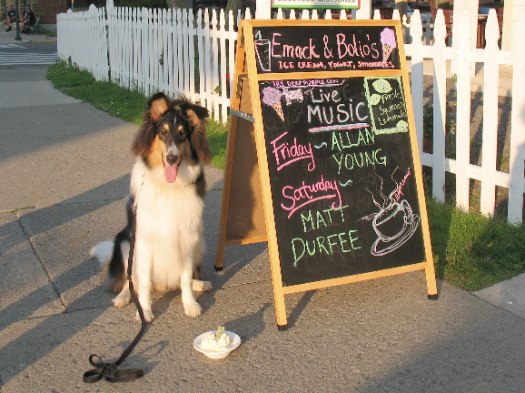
{"x": 339, "y": 171}
{"x": 342, "y": 176}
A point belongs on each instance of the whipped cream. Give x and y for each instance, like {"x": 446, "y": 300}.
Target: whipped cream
{"x": 215, "y": 342}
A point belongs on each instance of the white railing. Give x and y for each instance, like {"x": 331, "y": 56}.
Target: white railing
{"x": 179, "y": 52}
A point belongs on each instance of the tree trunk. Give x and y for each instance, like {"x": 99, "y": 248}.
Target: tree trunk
{"x": 234, "y": 5}
{"x": 401, "y": 5}
{"x": 179, "y": 3}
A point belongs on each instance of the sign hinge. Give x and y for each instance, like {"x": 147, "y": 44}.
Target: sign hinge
{"x": 240, "y": 81}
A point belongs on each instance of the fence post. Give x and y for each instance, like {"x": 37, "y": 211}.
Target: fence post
{"x": 416, "y": 76}
{"x": 364, "y": 11}
{"x": 188, "y": 61}
{"x": 192, "y": 33}
{"x": 438, "y": 103}
{"x": 223, "y": 70}
{"x": 263, "y": 9}
{"x": 490, "y": 116}
{"x": 470, "y": 8}
{"x": 517, "y": 136}
{"x": 215, "y": 63}
{"x": 463, "y": 89}
{"x": 231, "y": 51}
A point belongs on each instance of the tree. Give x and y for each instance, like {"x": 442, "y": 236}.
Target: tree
{"x": 141, "y": 3}
{"x": 234, "y": 5}
{"x": 401, "y": 5}
{"x": 179, "y": 3}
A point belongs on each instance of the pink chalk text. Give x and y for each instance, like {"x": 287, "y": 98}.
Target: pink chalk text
{"x": 287, "y": 153}
{"x": 305, "y": 194}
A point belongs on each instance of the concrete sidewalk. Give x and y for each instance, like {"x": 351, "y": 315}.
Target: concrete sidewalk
{"x": 64, "y": 180}
{"x": 9, "y": 37}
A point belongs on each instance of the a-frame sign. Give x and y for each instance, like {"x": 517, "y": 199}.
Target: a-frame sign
{"x": 322, "y": 157}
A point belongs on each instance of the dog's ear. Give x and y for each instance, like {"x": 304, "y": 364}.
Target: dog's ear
{"x": 197, "y": 116}
{"x": 157, "y": 106}
{"x": 196, "y": 111}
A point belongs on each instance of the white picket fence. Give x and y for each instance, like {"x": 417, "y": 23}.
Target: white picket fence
{"x": 81, "y": 38}
{"x": 151, "y": 50}
{"x": 179, "y": 52}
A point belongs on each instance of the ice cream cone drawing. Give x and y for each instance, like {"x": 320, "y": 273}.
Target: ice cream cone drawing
{"x": 279, "y": 109}
{"x": 388, "y": 39}
{"x": 272, "y": 97}
{"x": 387, "y": 50}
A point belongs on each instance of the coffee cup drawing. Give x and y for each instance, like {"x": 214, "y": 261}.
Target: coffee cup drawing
{"x": 395, "y": 222}
{"x": 394, "y": 225}
{"x": 391, "y": 222}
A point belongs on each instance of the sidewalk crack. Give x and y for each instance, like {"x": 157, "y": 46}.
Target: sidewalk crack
{"x": 42, "y": 264}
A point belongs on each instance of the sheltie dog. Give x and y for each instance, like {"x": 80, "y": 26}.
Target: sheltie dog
{"x": 166, "y": 201}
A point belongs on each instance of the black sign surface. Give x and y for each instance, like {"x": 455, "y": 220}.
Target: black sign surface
{"x": 342, "y": 176}
{"x": 329, "y": 48}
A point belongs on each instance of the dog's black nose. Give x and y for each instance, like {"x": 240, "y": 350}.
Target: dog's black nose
{"x": 171, "y": 158}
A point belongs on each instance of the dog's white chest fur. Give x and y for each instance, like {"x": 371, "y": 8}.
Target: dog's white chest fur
{"x": 169, "y": 225}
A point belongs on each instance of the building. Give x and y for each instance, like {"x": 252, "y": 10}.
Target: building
{"x": 48, "y": 9}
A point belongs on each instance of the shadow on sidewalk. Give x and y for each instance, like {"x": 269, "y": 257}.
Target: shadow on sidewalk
{"x": 55, "y": 253}
{"x": 42, "y": 220}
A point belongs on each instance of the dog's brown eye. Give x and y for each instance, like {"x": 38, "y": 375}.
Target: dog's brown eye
{"x": 163, "y": 130}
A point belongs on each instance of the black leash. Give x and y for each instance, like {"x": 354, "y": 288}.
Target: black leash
{"x": 110, "y": 371}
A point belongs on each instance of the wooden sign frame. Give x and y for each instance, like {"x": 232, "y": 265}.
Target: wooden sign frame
{"x": 247, "y": 214}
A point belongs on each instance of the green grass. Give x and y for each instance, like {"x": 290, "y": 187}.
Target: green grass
{"x": 217, "y": 135}
{"x": 471, "y": 251}
{"x": 119, "y": 102}
{"x": 116, "y": 101}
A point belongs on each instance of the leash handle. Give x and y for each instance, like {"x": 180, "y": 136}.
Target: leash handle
{"x": 110, "y": 371}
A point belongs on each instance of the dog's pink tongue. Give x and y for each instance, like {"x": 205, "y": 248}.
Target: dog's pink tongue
{"x": 170, "y": 173}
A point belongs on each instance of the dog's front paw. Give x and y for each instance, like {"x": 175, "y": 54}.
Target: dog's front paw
{"x": 122, "y": 300}
{"x": 192, "y": 309}
{"x": 148, "y": 316}
{"x": 206, "y": 286}
{"x": 201, "y": 286}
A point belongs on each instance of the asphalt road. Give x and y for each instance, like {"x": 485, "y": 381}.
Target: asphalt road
{"x": 23, "y": 53}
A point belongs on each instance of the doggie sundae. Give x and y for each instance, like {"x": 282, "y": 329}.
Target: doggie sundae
{"x": 215, "y": 341}
{"x": 217, "y": 344}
